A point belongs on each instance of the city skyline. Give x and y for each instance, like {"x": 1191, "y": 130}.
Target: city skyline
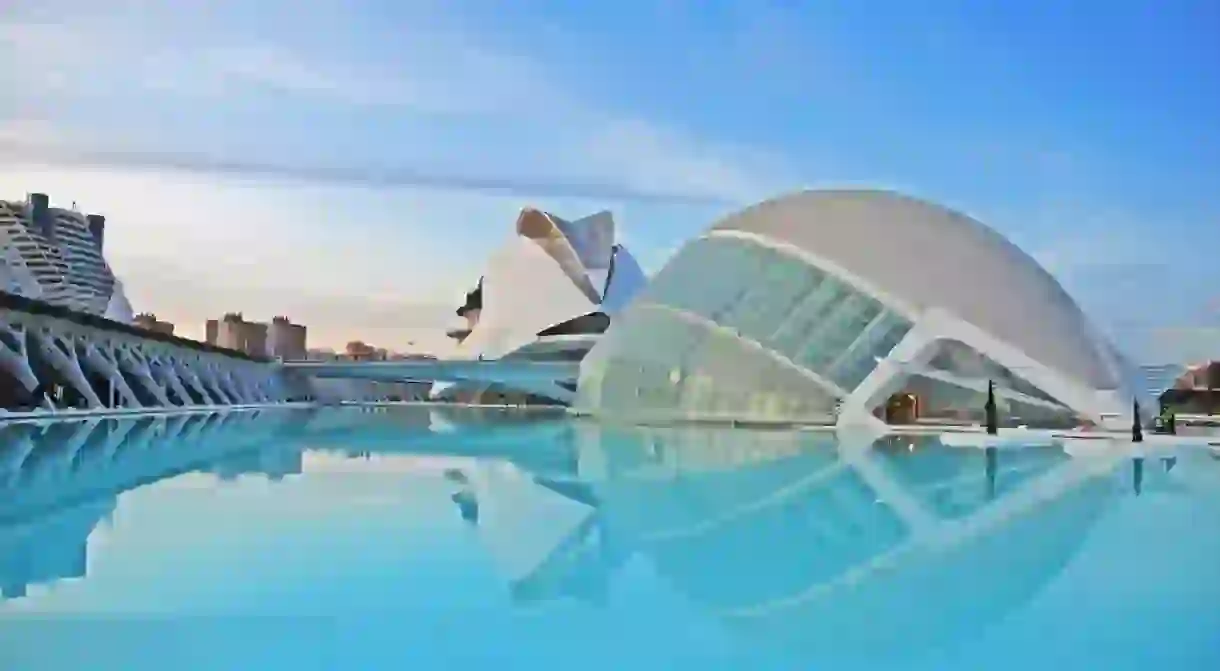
{"x": 1082, "y": 135}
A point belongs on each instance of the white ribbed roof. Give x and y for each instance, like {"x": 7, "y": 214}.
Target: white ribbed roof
{"x": 932, "y": 257}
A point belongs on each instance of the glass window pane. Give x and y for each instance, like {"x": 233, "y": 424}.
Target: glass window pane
{"x": 856, "y": 364}
{"x": 828, "y": 330}
{"x": 792, "y": 337}
{"x": 768, "y": 304}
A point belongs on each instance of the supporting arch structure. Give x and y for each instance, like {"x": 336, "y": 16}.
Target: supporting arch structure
{"x": 58, "y": 363}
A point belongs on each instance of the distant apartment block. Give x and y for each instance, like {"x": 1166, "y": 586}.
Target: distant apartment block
{"x": 286, "y": 340}
{"x": 279, "y": 338}
{"x": 149, "y": 321}
{"x": 234, "y": 332}
{"x": 55, "y": 255}
{"x": 358, "y": 350}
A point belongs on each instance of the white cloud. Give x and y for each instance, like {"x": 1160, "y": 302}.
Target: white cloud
{"x": 371, "y": 264}
{"x": 430, "y": 68}
{"x": 644, "y": 155}
{"x": 427, "y": 71}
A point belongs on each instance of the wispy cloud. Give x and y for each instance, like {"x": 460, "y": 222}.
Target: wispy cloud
{"x": 427, "y": 72}
{"x": 95, "y": 83}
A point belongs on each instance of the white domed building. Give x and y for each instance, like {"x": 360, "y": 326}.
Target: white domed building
{"x": 855, "y": 307}
{"x": 55, "y": 255}
{"x": 548, "y": 294}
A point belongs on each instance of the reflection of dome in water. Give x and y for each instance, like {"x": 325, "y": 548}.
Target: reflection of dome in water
{"x": 802, "y": 550}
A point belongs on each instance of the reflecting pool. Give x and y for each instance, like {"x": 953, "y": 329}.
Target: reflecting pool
{"x": 453, "y": 538}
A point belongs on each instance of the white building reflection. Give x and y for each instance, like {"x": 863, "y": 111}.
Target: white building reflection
{"x": 831, "y": 550}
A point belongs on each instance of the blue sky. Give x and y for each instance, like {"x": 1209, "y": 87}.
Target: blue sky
{"x": 1087, "y": 133}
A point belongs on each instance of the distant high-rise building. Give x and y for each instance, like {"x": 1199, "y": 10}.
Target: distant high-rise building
{"x": 286, "y": 340}
{"x": 55, "y": 255}
{"x": 234, "y": 332}
{"x": 148, "y": 320}
{"x": 280, "y": 338}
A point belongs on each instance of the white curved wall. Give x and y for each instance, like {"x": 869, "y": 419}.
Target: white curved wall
{"x": 551, "y": 272}
{"x": 545, "y": 231}
{"x": 524, "y": 292}
{"x": 926, "y": 256}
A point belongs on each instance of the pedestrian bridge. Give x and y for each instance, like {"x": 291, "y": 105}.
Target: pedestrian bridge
{"x": 548, "y": 378}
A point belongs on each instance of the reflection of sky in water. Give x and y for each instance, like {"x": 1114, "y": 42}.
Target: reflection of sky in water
{"x": 346, "y": 540}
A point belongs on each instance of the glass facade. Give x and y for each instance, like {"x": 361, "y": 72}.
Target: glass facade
{"x": 939, "y": 399}
{"x": 959, "y": 360}
{"x": 733, "y": 329}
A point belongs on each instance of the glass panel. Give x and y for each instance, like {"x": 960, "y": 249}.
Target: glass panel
{"x": 744, "y": 268}
{"x": 810, "y": 280}
{"x": 643, "y": 353}
{"x": 795, "y": 333}
{"x": 960, "y": 360}
{"x": 939, "y": 399}
{"x": 665, "y": 282}
{"x": 733, "y": 378}
{"x": 663, "y": 365}
{"x": 877, "y": 343}
{"x": 785, "y": 282}
{"x": 837, "y": 316}
{"x": 847, "y": 326}
{"x": 674, "y": 284}
{"x": 658, "y": 361}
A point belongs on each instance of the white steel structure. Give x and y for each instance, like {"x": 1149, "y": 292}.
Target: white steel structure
{"x": 110, "y": 368}
{"x": 55, "y": 255}
{"x": 820, "y": 306}
{"x": 548, "y": 294}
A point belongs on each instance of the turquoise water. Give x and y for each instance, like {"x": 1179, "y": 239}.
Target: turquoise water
{"x": 452, "y": 538}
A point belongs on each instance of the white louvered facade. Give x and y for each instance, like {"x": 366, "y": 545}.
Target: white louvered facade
{"x": 58, "y": 259}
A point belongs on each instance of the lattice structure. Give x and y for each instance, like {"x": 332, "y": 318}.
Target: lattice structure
{"x": 54, "y": 362}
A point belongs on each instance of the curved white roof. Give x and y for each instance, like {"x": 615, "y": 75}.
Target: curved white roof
{"x": 524, "y": 292}
{"x": 931, "y": 257}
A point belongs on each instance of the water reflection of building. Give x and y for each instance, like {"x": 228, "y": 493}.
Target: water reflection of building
{"x": 51, "y": 549}
{"x": 546, "y": 537}
{"x": 47, "y": 468}
{"x": 276, "y": 462}
{"x": 47, "y": 471}
{"x": 830, "y": 551}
